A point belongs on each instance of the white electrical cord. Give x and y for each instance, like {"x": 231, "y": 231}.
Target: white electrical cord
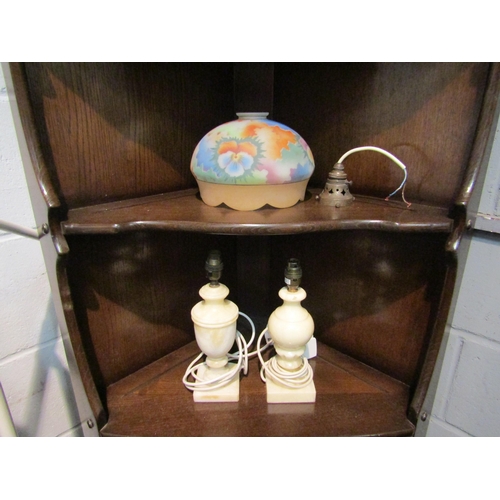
{"x": 398, "y": 162}
{"x": 242, "y": 356}
{"x": 247, "y": 345}
{"x": 271, "y": 369}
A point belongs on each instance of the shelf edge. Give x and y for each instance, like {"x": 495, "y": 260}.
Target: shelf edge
{"x": 69, "y": 228}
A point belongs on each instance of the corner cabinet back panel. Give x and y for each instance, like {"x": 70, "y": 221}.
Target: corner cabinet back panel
{"x": 133, "y": 294}
{"x": 373, "y": 295}
{"x": 426, "y": 114}
{"x": 113, "y": 131}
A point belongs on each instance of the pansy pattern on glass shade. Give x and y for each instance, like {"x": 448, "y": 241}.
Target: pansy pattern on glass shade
{"x": 237, "y": 157}
{"x": 252, "y": 152}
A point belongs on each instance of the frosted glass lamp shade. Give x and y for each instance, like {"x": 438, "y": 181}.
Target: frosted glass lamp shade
{"x": 250, "y": 162}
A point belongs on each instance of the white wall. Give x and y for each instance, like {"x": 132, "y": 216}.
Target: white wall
{"x": 34, "y": 371}
{"x": 467, "y": 398}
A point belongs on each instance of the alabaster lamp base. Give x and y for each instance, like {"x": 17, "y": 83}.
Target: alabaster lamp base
{"x": 229, "y": 393}
{"x": 277, "y": 393}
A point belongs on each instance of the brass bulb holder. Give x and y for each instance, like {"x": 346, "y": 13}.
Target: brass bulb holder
{"x": 336, "y": 192}
{"x": 214, "y": 267}
{"x": 293, "y": 274}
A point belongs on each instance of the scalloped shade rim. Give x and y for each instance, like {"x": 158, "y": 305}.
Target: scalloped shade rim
{"x": 247, "y": 198}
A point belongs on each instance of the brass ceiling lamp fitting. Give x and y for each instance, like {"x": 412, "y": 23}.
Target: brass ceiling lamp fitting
{"x": 336, "y": 192}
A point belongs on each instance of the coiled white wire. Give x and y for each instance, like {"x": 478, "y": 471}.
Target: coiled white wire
{"x": 271, "y": 369}
{"x": 398, "y": 162}
{"x": 242, "y": 356}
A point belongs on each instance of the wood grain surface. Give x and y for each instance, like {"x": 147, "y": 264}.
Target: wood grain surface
{"x": 352, "y": 400}
{"x": 185, "y": 211}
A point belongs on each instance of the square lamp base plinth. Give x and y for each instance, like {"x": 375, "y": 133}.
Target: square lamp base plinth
{"x": 229, "y": 393}
{"x": 277, "y": 393}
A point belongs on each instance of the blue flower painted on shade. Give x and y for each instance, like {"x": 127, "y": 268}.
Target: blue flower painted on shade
{"x": 235, "y": 164}
{"x": 204, "y": 156}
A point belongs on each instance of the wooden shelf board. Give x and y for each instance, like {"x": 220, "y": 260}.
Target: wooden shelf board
{"x": 185, "y": 211}
{"x": 352, "y": 400}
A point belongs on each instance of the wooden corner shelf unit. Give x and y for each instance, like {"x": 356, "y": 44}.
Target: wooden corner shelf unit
{"x": 111, "y": 146}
